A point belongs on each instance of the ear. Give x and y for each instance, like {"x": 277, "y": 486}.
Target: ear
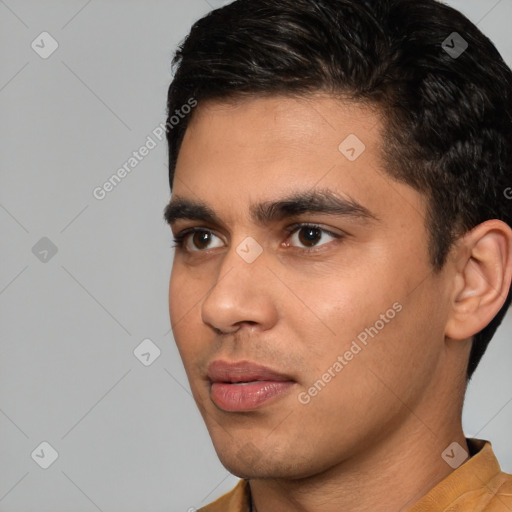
{"x": 482, "y": 280}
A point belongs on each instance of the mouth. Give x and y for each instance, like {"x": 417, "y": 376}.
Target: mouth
{"x": 245, "y": 386}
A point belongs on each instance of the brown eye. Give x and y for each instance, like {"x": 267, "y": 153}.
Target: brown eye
{"x": 310, "y": 235}
{"x": 196, "y": 240}
{"x": 200, "y": 239}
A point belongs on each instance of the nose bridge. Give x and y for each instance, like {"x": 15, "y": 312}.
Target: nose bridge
{"x": 243, "y": 263}
{"x": 233, "y": 298}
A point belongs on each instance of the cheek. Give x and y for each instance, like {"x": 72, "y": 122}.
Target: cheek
{"x": 182, "y": 298}
{"x": 175, "y": 305}
{"x": 347, "y": 302}
{"x": 369, "y": 314}
{"x": 184, "y": 292}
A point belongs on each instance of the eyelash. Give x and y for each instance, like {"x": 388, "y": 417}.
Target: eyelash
{"x": 179, "y": 240}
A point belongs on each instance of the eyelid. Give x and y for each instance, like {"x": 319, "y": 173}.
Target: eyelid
{"x": 294, "y": 227}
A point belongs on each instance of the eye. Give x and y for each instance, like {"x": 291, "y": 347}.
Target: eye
{"x": 310, "y": 234}
{"x": 200, "y": 238}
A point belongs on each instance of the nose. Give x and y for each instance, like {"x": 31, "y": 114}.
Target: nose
{"x": 242, "y": 294}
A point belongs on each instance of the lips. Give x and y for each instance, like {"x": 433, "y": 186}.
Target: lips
{"x": 222, "y": 371}
{"x": 245, "y": 386}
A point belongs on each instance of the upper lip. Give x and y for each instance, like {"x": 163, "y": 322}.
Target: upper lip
{"x": 243, "y": 371}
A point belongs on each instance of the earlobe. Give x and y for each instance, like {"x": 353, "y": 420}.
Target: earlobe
{"x": 482, "y": 280}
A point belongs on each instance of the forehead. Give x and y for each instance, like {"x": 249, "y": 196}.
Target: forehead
{"x": 235, "y": 154}
{"x": 276, "y": 122}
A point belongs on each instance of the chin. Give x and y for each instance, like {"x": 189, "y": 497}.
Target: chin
{"x": 248, "y": 464}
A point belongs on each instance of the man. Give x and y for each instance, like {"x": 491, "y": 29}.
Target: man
{"x": 339, "y": 171}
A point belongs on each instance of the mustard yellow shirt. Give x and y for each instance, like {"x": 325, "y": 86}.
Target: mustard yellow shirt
{"x": 478, "y": 485}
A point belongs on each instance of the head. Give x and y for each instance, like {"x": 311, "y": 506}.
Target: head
{"x": 380, "y": 103}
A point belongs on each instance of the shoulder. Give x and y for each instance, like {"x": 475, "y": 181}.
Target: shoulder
{"x": 494, "y": 495}
{"x": 236, "y": 500}
{"x": 497, "y": 494}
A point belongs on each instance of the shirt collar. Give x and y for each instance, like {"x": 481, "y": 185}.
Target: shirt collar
{"x": 472, "y": 475}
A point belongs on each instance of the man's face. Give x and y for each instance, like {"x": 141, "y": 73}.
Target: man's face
{"x": 348, "y": 313}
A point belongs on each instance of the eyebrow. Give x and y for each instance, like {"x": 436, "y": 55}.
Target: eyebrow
{"x": 322, "y": 201}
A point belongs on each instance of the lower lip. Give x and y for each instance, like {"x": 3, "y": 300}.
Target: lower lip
{"x": 246, "y": 397}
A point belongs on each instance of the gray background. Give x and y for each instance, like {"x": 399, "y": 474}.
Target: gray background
{"x": 128, "y": 436}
